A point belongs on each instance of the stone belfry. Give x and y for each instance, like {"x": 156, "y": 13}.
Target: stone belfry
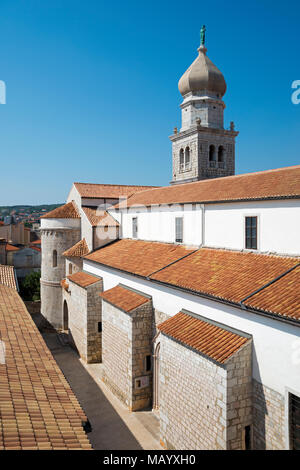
{"x": 202, "y": 148}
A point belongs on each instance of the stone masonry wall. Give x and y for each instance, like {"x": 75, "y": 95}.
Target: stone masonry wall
{"x": 126, "y": 341}
{"x": 116, "y": 351}
{"x": 239, "y": 396}
{"x": 141, "y": 347}
{"x": 192, "y": 399}
{"x": 268, "y": 418}
{"x": 84, "y": 310}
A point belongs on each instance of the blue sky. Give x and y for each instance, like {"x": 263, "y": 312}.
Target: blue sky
{"x": 92, "y": 88}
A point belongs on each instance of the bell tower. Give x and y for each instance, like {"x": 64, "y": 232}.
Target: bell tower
{"x": 202, "y": 148}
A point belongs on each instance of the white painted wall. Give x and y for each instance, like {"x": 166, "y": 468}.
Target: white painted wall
{"x": 158, "y": 224}
{"x": 60, "y": 223}
{"x": 276, "y": 351}
{"x": 278, "y": 224}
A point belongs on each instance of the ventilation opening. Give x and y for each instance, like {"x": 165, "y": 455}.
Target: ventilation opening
{"x": 100, "y": 327}
{"x": 148, "y": 363}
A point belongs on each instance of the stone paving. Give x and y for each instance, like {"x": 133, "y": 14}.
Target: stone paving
{"x": 113, "y": 426}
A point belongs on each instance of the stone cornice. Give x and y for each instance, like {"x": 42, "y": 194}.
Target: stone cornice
{"x": 196, "y": 129}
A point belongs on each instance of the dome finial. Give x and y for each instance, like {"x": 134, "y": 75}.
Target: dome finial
{"x": 202, "y": 35}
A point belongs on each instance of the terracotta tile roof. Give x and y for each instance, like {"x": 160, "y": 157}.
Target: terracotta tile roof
{"x": 67, "y": 211}
{"x": 37, "y": 242}
{"x": 227, "y": 275}
{"x": 99, "y": 218}
{"x": 137, "y": 256}
{"x": 124, "y": 298}
{"x": 76, "y": 251}
{"x": 222, "y": 274}
{"x": 281, "y": 298}
{"x": 209, "y": 338}
{"x": 10, "y": 247}
{"x": 282, "y": 182}
{"x": 110, "y": 191}
{"x": 64, "y": 284}
{"x": 37, "y": 406}
{"x": 83, "y": 279}
{"x": 7, "y": 276}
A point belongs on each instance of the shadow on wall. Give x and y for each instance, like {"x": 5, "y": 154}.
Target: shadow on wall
{"x": 259, "y": 409}
{"x": 108, "y": 430}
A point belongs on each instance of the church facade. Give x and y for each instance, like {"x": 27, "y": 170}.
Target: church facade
{"x": 189, "y": 294}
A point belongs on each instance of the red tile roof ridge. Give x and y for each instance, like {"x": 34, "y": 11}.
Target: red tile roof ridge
{"x": 121, "y": 185}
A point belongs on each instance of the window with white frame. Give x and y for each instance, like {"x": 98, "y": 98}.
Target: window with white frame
{"x": 179, "y": 229}
{"x": 251, "y": 233}
{"x": 134, "y": 227}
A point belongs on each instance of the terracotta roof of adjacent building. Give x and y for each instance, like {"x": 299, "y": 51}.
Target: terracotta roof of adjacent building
{"x": 137, "y": 256}
{"x": 281, "y": 297}
{"x": 99, "y": 218}
{"x": 209, "y": 338}
{"x": 8, "y": 277}
{"x": 10, "y": 247}
{"x": 67, "y": 211}
{"x": 110, "y": 191}
{"x": 124, "y": 298}
{"x": 83, "y": 279}
{"x": 76, "y": 251}
{"x": 37, "y": 406}
{"x": 271, "y": 184}
{"x": 226, "y": 275}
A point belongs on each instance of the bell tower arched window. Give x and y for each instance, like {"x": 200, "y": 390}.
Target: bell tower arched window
{"x": 187, "y": 158}
{"x": 212, "y": 156}
{"x": 221, "y": 157}
{"x": 181, "y": 159}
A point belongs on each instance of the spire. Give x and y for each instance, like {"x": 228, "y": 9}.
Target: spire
{"x": 202, "y": 35}
{"x": 202, "y": 47}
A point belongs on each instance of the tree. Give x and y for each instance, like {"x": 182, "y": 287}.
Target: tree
{"x": 30, "y": 287}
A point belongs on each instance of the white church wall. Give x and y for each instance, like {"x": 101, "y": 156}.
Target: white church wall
{"x": 59, "y": 223}
{"x": 86, "y": 230}
{"x": 158, "y": 223}
{"x": 74, "y": 196}
{"x": 276, "y": 345}
{"x": 278, "y": 225}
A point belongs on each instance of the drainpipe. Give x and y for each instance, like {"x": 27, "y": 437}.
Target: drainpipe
{"x": 203, "y": 225}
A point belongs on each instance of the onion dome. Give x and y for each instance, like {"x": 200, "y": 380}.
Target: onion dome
{"x": 202, "y": 75}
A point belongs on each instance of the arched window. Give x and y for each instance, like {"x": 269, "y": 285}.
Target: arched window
{"x": 65, "y": 316}
{"x": 181, "y": 159}
{"x": 54, "y": 259}
{"x": 221, "y": 154}
{"x": 212, "y": 153}
{"x": 187, "y": 158}
{"x": 70, "y": 268}
{"x": 221, "y": 157}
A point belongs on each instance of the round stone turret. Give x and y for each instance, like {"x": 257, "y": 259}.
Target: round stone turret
{"x": 60, "y": 230}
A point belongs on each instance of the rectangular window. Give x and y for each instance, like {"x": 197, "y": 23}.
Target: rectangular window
{"x": 251, "y": 233}
{"x": 134, "y": 227}
{"x": 99, "y": 326}
{"x": 247, "y": 438}
{"x": 179, "y": 229}
{"x": 148, "y": 363}
{"x": 294, "y": 421}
